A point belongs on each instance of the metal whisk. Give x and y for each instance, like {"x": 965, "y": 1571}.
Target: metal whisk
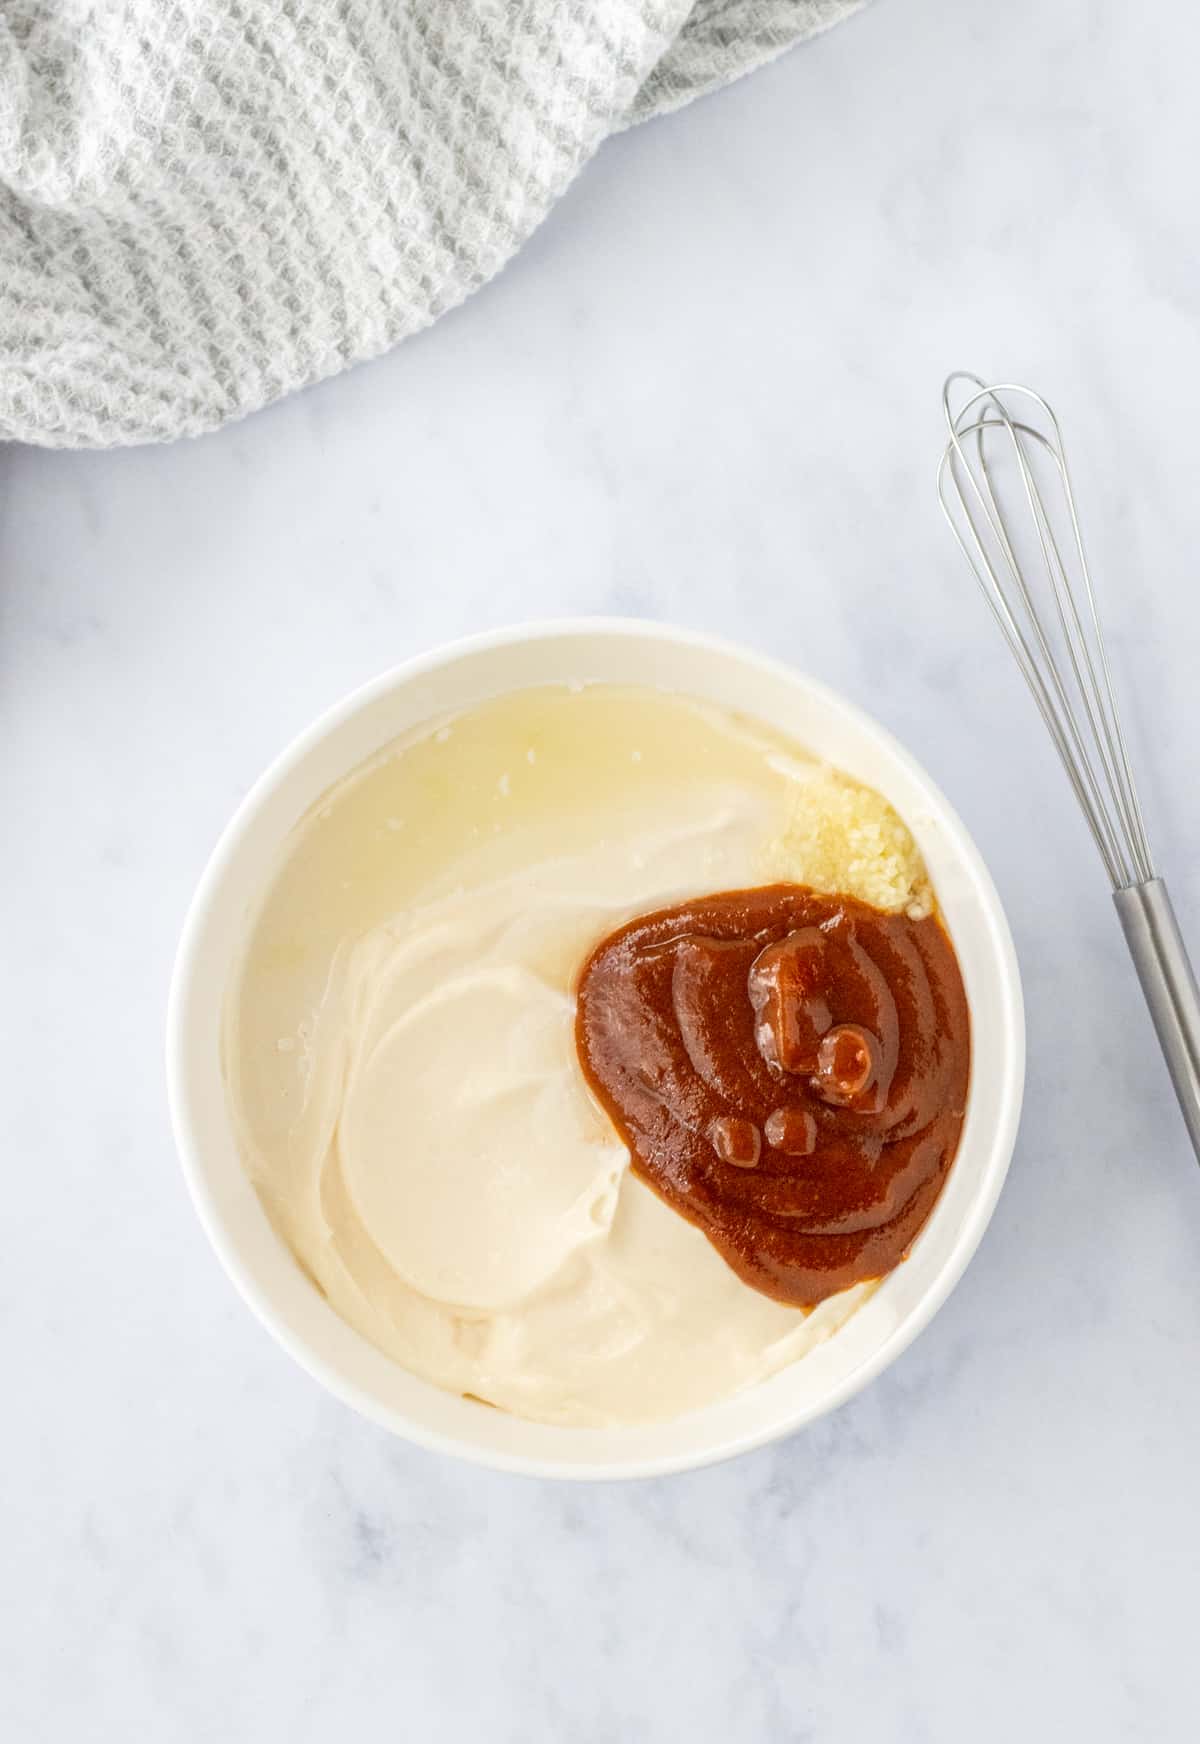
{"x": 1005, "y": 443}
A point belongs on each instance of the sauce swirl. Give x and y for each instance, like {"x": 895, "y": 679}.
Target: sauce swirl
{"x": 789, "y": 1071}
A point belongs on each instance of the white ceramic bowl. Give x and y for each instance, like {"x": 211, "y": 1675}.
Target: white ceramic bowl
{"x": 618, "y": 652}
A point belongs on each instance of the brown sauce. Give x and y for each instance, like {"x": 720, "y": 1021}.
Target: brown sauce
{"x": 789, "y": 1071}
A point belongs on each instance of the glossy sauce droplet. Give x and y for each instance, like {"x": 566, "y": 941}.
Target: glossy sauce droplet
{"x": 788, "y": 987}
{"x": 735, "y": 1141}
{"x": 792, "y": 1131}
{"x": 847, "y": 1061}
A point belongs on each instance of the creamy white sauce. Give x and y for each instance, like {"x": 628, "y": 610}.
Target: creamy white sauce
{"x": 402, "y": 1067}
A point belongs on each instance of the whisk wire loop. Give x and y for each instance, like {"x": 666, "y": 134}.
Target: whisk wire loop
{"x": 1066, "y": 667}
{"x": 1021, "y": 563}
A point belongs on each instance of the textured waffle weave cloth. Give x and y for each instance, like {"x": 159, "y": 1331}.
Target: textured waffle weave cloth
{"x": 205, "y": 204}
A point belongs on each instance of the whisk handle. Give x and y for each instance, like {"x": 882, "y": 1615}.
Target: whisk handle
{"x": 1169, "y": 984}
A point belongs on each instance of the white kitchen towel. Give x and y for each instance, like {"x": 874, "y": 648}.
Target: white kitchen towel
{"x": 205, "y": 204}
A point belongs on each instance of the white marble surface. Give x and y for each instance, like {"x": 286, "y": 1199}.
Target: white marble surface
{"x": 708, "y": 391}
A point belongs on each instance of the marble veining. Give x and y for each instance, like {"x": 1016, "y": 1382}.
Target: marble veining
{"x": 708, "y": 391}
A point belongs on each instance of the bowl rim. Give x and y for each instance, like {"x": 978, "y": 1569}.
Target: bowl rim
{"x": 190, "y": 950}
